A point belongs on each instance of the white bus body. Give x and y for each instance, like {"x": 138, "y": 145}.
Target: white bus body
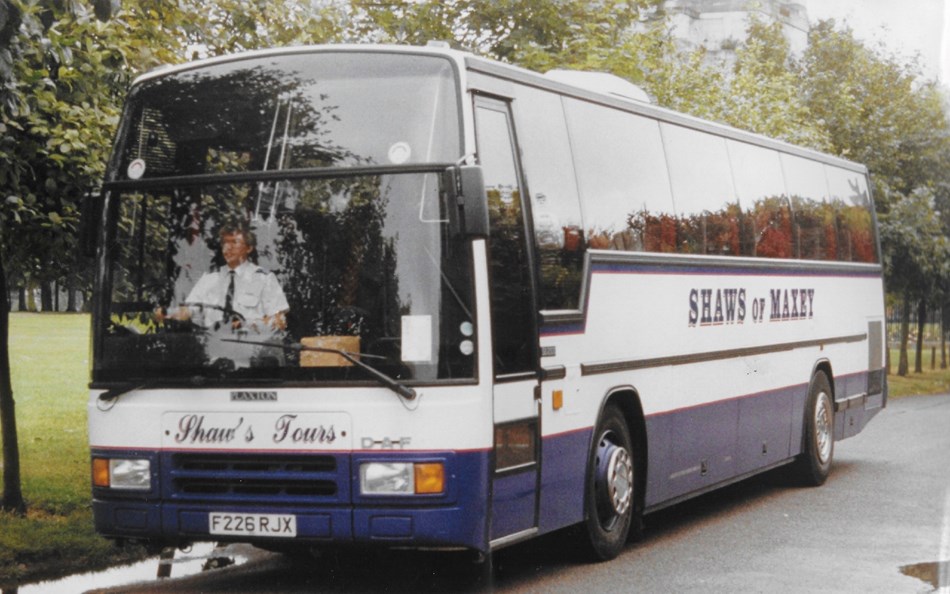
{"x": 659, "y": 306}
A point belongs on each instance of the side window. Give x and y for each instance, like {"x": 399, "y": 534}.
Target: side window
{"x": 622, "y": 178}
{"x": 703, "y": 192}
{"x": 760, "y": 190}
{"x": 558, "y": 227}
{"x": 813, "y": 215}
{"x": 512, "y": 307}
{"x": 854, "y": 227}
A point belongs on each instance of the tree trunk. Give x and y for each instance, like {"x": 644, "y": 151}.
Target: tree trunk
{"x": 12, "y": 492}
{"x": 921, "y": 325}
{"x": 46, "y": 296}
{"x": 30, "y": 297}
{"x": 943, "y": 336}
{"x": 903, "y": 365}
{"x": 71, "y": 297}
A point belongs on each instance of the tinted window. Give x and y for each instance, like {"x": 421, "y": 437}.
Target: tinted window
{"x": 760, "y": 190}
{"x": 813, "y": 217}
{"x": 622, "y": 177}
{"x": 293, "y": 111}
{"x": 699, "y": 170}
{"x": 659, "y": 187}
{"x": 848, "y": 192}
{"x": 343, "y": 263}
{"x": 511, "y": 303}
{"x": 558, "y": 227}
{"x": 757, "y": 172}
{"x": 703, "y": 193}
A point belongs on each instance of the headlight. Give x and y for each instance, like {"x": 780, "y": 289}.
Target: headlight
{"x": 402, "y": 478}
{"x": 378, "y": 478}
{"x": 122, "y": 473}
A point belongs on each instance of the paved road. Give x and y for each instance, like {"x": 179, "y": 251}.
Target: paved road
{"x": 882, "y": 518}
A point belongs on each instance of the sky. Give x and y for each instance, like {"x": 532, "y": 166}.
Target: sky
{"x": 906, "y": 27}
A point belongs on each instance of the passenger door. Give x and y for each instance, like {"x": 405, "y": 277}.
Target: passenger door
{"x": 514, "y": 329}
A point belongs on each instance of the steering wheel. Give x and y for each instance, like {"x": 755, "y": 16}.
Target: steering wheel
{"x": 230, "y": 314}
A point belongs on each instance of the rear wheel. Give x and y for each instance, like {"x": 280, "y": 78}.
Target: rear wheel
{"x": 814, "y": 464}
{"x": 611, "y": 491}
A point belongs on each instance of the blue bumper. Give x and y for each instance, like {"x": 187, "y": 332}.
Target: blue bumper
{"x": 321, "y": 491}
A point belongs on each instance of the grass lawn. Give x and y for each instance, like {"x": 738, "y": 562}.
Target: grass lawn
{"x": 931, "y": 381}
{"x": 50, "y": 365}
{"x": 50, "y": 361}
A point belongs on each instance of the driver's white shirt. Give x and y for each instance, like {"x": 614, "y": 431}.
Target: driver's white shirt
{"x": 257, "y": 293}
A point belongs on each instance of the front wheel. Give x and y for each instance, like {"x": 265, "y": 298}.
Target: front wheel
{"x": 610, "y": 490}
{"x": 814, "y": 464}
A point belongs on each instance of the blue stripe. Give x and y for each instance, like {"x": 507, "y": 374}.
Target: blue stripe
{"x": 687, "y": 269}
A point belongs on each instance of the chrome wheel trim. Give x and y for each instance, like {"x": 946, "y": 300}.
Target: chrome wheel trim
{"x": 824, "y": 428}
{"x": 620, "y": 481}
{"x": 614, "y": 482}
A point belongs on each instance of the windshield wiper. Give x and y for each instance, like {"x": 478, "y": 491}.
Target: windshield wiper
{"x": 108, "y": 398}
{"x": 404, "y": 391}
{"x": 116, "y": 391}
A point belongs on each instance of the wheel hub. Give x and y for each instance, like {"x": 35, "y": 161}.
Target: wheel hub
{"x": 614, "y": 481}
{"x": 823, "y": 428}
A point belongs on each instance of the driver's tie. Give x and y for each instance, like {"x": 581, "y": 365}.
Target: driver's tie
{"x": 229, "y": 297}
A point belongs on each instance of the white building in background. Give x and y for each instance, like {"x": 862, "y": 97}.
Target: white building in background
{"x": 720, "y": 25}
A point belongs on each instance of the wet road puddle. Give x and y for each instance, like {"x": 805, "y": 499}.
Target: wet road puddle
{"x": 935, "y": 573}
{"x": 200, "y": 557}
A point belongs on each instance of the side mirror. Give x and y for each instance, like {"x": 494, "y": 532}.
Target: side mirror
{"x": 468, "y": 203}
{"x": 90, "y": 216}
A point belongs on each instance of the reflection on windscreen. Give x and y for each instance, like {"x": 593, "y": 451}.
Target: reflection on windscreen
{"x": 362, "y": 264}
{"x": 293, "y": 111}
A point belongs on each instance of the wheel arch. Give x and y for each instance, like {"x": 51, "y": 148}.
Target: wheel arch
{"x": 811, "y": 467}
{"x": 627, "y": 399}
{"x": 821, "y": 366}
{"x": 824, "y": 366}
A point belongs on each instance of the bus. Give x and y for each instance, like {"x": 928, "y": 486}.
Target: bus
{"x": 484, "y": 304}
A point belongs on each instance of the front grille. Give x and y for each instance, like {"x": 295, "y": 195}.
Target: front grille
{"x": 273, "y": 478}
{"x": 245, "y": 463}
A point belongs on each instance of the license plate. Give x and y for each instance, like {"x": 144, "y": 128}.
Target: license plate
{"x": 269, "y": 525}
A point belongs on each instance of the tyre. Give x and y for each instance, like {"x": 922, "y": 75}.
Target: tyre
{"x": 610, "y": 497}
{"x": 813, "y": 465}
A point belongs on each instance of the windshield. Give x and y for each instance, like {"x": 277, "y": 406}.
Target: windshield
{"x": 294, "y": 111}
{"x": 244, "y": 272}
{"x": 364, "y": 265}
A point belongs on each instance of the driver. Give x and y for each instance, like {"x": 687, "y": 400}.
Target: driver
{"x": 240, "y": 292}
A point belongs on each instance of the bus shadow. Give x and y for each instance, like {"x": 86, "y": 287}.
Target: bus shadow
{"x": 558, "y": 552}
{"x": 517, "y": 568}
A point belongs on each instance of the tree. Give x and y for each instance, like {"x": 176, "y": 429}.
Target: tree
{"x": 51, "y": 123}
{"x": 536, "y": 34}
{"x": 64, "y": 68}
{"x": 917, "y": 258}
{"x": 765, "y": 92}
{"x": 875, "y": 109}
{"x": 230, "y": 26}
{"x": 55, "y": 140}
{"x": 57, "y": 110}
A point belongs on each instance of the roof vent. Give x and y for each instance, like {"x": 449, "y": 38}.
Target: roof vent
{"x": 601, "y": 82}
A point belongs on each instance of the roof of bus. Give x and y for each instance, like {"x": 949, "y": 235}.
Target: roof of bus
{"x": 521, "y": 75}
{"x": 300, "y": 49}
{"x": 627, "y": 103}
